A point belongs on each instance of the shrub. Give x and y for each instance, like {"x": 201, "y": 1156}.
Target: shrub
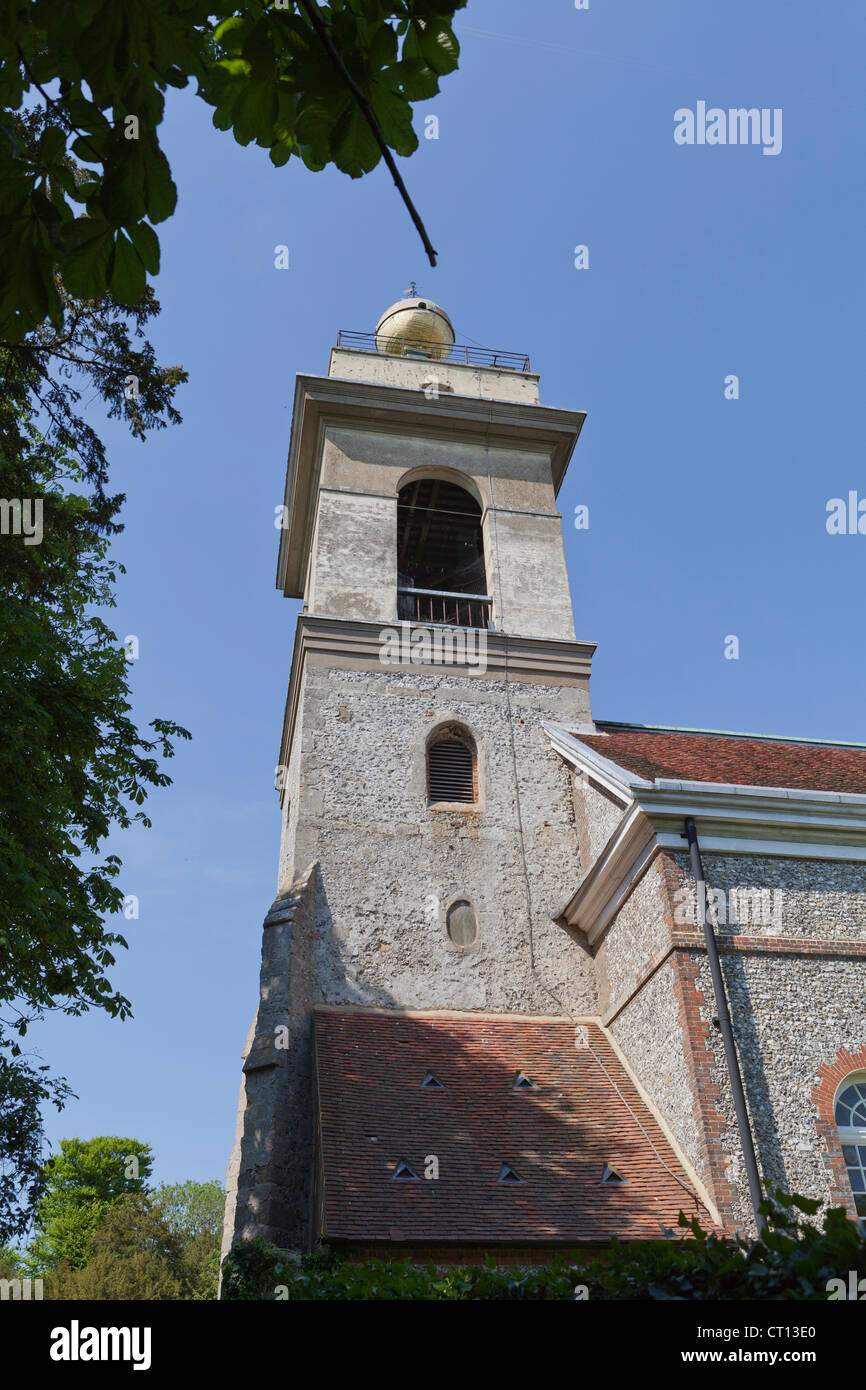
{"x": 793, "y": 1259}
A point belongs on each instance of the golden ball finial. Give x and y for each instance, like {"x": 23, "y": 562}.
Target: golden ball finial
{"x": 415, "y": 327}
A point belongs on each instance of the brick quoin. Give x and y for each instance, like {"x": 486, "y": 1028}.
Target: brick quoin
{"x": 700, "y": 1060}
{"x": 830, "y": 1076}
{"x": 673, "y": 879}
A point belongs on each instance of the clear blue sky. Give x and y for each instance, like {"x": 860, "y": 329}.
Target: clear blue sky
{"x": 707, "y": 516}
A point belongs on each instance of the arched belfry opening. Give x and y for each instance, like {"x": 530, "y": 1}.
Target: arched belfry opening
{"x": 440, "y": 555}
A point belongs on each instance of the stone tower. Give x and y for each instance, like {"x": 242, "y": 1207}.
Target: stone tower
{"x": 422, "y": 532}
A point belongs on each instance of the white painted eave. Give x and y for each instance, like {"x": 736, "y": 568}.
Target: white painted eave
{"x": 605, "y": 887}
{"x": 615, "y": 779}
{"x": 759, "y": 820}
{"x": 730, "y": 819}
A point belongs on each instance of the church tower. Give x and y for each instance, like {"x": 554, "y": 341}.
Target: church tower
{"x": 415, "y": 979}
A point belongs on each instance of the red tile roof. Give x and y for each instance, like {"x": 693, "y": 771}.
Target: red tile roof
{"x": 746, "y": 761}
{"x": 558, "y": 1138}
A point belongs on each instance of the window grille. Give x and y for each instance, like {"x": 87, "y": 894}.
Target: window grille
{"x": 451, "y": 770}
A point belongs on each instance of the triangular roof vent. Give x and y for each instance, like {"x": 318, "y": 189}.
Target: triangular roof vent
{"x": 611, "y": 1175}
{"x": 523, "y": 1083}
{"x": 507, "y": 1174}
{"x": 404, "y": 1172}
{"x": 432, "y": 1082}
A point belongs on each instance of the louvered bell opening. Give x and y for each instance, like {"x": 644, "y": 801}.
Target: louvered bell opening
{"x": 451, "y": 771}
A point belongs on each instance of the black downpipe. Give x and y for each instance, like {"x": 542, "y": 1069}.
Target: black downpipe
{"x": 736, "y": 1079}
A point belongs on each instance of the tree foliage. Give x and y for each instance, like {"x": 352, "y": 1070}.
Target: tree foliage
{"x": 24, "y": 1087}
{"x": 73, "y": 765}
{"x": 83, "y": 1182}
{"x": 194, "y": 1213}
{"x": 101, "y": 68}
{"x": 132, "y": 1254}
{"x": 102, "y": 1232}
{"x": 160, "y": 1243}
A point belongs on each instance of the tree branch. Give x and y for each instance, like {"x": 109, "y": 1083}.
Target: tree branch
{"x": 73, "y": 129}
{"x": 370, "y": 116}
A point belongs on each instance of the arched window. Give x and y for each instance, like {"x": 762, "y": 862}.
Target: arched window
{"x": 452, "y": 767}
{"x": 440, "y": 556}
{"x": 850, "y": 1116}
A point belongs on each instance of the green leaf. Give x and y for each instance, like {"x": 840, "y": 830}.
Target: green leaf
{"x": 63, "y": 177}
{"x": 91, "y": 147}
{"x": 222, "y": 118}
{"x": 29, "y": 297}
{"x": 314, "y": 127}
{"x": 381, "y": 51}
{"x": 353, "y": 144}
{"x": 394, "y": 115}
{"x": 235, "y": 67}
{"x": 433, "y": 41}
{"x": 281, "y": 152}
{"x": 419, "y": 82}
{"x": 230, "y": 34}
{"x": 52, "y": 144}
{"x": 127, "y": 280}
{"x": 254, "y": 114}
{"x": 83, "y": 192}
{"x": 122, "y": 196}
{"x": 146, "y": 243}
{"x": 160, "y": 191}
{"x": 89, "y": 242}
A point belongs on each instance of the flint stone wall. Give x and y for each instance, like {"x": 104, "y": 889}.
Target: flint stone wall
{"x": 796, "y": 988}
{"x": 391, "y": 865}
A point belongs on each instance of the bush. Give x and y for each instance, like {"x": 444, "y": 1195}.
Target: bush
{"x": 794, "y": 1259}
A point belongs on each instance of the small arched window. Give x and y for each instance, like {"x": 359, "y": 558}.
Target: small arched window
{"x": 452, "y": 767}
{"x": 850, "y": 1116}
{"x": 461, "y": 924}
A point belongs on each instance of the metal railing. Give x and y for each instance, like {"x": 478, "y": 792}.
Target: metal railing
{"x": 425, "y": 349}
{"x": 440, "y": 606}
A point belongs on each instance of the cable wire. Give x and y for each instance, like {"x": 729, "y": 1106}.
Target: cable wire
{"x": 521, "y": 841}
